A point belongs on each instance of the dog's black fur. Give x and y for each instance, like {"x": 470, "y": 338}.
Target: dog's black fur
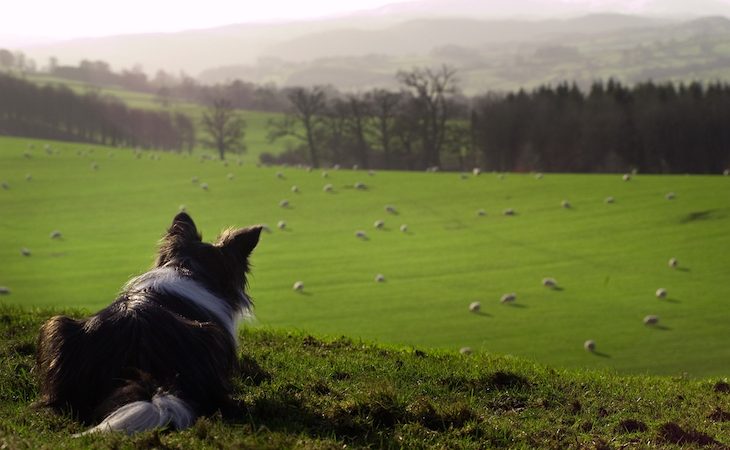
{"x": 155, "y": 338}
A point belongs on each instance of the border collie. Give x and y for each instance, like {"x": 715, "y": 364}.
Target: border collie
{"x": 163, "y": 352}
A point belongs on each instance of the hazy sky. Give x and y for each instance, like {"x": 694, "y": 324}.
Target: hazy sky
{"x": 80, "y": 18}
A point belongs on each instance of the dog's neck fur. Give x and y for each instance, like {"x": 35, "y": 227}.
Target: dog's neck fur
{"x": 168, "y": 280}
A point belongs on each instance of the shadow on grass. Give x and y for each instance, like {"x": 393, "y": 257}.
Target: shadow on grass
{"x": 601, "y": 354}
{"x": 683, "y": 269}
{"x": 661, "y": 327}
{"x": 483, "y": 314}
{"x": 672, "y": 300}
{"x": 557, "y": 288}
{"x": 516, "y": 305}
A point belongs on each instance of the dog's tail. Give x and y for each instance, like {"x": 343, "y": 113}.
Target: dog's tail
{"x": 162, "y": 410}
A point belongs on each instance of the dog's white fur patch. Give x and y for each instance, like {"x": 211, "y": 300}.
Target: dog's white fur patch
{"x": 162, "y": 410}
{"x": 168, "y": 281}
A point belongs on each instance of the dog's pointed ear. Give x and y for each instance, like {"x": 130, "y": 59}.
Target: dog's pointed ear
{"x": 240, "y": 242}
{"x": 184, "y": 227}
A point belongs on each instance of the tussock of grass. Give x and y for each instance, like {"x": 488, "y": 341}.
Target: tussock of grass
{"x": 298, "y": 391}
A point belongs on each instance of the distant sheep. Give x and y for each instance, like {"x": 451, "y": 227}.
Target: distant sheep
{"x": 336, "y": 167}
{"x": 281, "y": 225}
{"x": 500, "y": 176}
{"x": 361, "y": 234}
{"x": 25, "y": 251}
{"x": 284, "y": 203}
{"x": 279, "y": 175}
{"x": 726, "y": 172}
{"x": 230, "y": 176}
{"x": 390, "y": 209}
{"x": 298, "y": 286}
{"x": 509, "y": 212}
{"x": 94, "y": 166}
{"x": 549, "y": 282}
{"x": 609, "y": 200}
{"x": 670, "y": 195}
{"x": 361, "y": 186}
{"x": 463, "y": 176}
{"x": 465, "y": 350}
{"x": 379, "y": 224}
{"x": 565, "y": 204}
{"x": 476, "y": 171}
{"x": 204, "y": 186}
{"x": 589, "y": 345}
{"x": 538, "y": 176}
{"x": 4, "y": 290}
{"x": 661, "y": 293}
{"x": 404, "y": 228}
{"x": 327, "y": 188}
{"x": 673, "y": 262}
{"x": 481, "y": 212}
{"x": 194, "y": 180}
{"x": 27, "y": 155}
{"x": 626, "y": 177}
{"x": 325, "y": 175}
{"x": 355, "y": 167}
{"x": 379, "y": 278}
{"x": 508, "y": 298}
{"x": 371, "y": 173}
{"x": 5, "y": 185}
{"x": 651, "y": 320}
{"x": 55, "y": 234}
{"x": 28, "y": 177}
{"x": 295, "y": 189}
{"x": 475, "y": 307}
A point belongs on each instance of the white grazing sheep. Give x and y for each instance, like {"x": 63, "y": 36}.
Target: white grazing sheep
{"x": 230, "y": 176}
{"x": 55, "y": 234}
{"x": 726, "y": 172}
{"x": 508, "y": 298}
{"x": 25, "y": 251}
{"x": 670, "y": 196}
{"x": 538, "y": 176}
{"x": 465, "y": 350}
{"x": 661, "y": 293}
{"x": 28, "y": 177}
{"x": 634, "y": 171}
{"x": 4, "y": 290}
{"x": 549, "y": 282}
{"x": 475, "y": 307}
{"x": 589, "y": 345}
{"x": 279, "y": 175}
{"x": 371, "y": 173}
{"x": 360, "y": 185}
{"x": 673, "y": 262}
{"x": 281, "y": 225}
{"x": 295, "y": 188}
{"x": 404, "y": 228}
{"x": 336, "y": 167}
{"x": 298, "y": 286}
{"x": 360, "y": 234}
{"x": 204, "y": 186}
{"x": 481, "y": 212}
{"x": 627, "y": 177}
{"x": 327, "y": 188}
{"x": 500, "y": 176}
{"x": 27, "y": 155}
{"x": 609, "y": 200}
{"x": 194, "y": 180}
{"x": 565, "y": 204}
{"x": 651, "y": 320}
{"x": 325, "y": 175}
{"x": 476, "y": 171}
{"x": 379, "y": 278}
{"x": 94, "y": 166}
{"x": 5, "y": 185}
{"x": 390, "y": 209}
{"x": 355, "y": 167}
{"x": 379, "y": 224}
{"x": 463, "y": 176}
{"x": 509, "y": 212}
{"x": 284, "y": 203}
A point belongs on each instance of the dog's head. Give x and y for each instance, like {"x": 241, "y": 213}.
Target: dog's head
{"x": 222, "y": 265}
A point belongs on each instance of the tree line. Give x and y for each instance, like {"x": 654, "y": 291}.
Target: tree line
{"x": 56, "y": 112}
{"x": 650, "y": 127}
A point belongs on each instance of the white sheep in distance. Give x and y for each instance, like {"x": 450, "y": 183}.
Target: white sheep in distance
{"x": 475, "y": 307}
{"x": 726, "y": 172}
{"x": 508, "y": 298}
{"x": 390, "y": 209}
{"x": 481, "y": 212}
{"x": 549, "y": 282}
{"x": 295, "y": 189}
{"x": 379, "y": 278}
{"x": 25, "y": 251}
{"x": 670, "y": 195}
{"x": 5, "y": 185}
{"x": 298, "y": 286}
{"x": 673, "y": 262}
{"x": 360, "y": 234}
{"x": 661, "y": 293}
{"x": 284, "y": 203}
{"x": 465, "y": 350}
{"x": 336, "y": 167}
{"x": 4, "y": 290}
{"x": 463, "y": 176}
{"x": 589, "y": 345}
{"x": 94, "y": 166}
{"x": 28, "y": 177}
{"x": 194, "y": 180}
{"x": 404, "y": 228}
{"x": 609, "y": 200}
{"x": 230, "y": 176}
{"x": 538, "y": 176}
{"x": 565, "y": 204}
{"x": 626, "y": 177}
{"x": 355, "y": 167}
{"x": 280, "y": 175}
{"x": 327, "y": 188}
{"x": 55, "y": 234}
{"x": 281, "y": 225}
{"x": 379, "y": 224}
{"x": 204, "y": 186}
{"x": 476, "y": 171}
{"x": 509, "y": 212}
{"x": 371, "y": 173}
{"x": 325, "y": 174}
{"x": 651, "y": 320}
{"x": 360, "y": 186}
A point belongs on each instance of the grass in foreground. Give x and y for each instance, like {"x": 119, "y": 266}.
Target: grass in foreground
{"x": 299, "y": 391}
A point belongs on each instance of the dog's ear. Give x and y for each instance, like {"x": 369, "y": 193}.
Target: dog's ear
{"x": 184, "y": 228}
{"x": 240, "y": 242}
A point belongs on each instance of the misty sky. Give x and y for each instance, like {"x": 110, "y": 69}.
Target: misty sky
{"x": 81, "y": 18}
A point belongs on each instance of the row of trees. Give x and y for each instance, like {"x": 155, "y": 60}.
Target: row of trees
{"x": 56, "y": 112}
{"x": 655, "y": 128}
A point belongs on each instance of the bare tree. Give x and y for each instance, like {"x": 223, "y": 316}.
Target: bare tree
{"x": 225, "y": 128}
{"x": 358, "y": 126}
{"x": 431, "y": 90}
{"x": 308, "y": 107}
{"x": 384, "y": 107}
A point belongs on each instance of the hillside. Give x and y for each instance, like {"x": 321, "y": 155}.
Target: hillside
{"x": 608, "y": 258}
{"x": 299, "y": 391}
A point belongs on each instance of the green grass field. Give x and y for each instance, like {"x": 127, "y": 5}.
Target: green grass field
{"x": 609, "y": 259}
